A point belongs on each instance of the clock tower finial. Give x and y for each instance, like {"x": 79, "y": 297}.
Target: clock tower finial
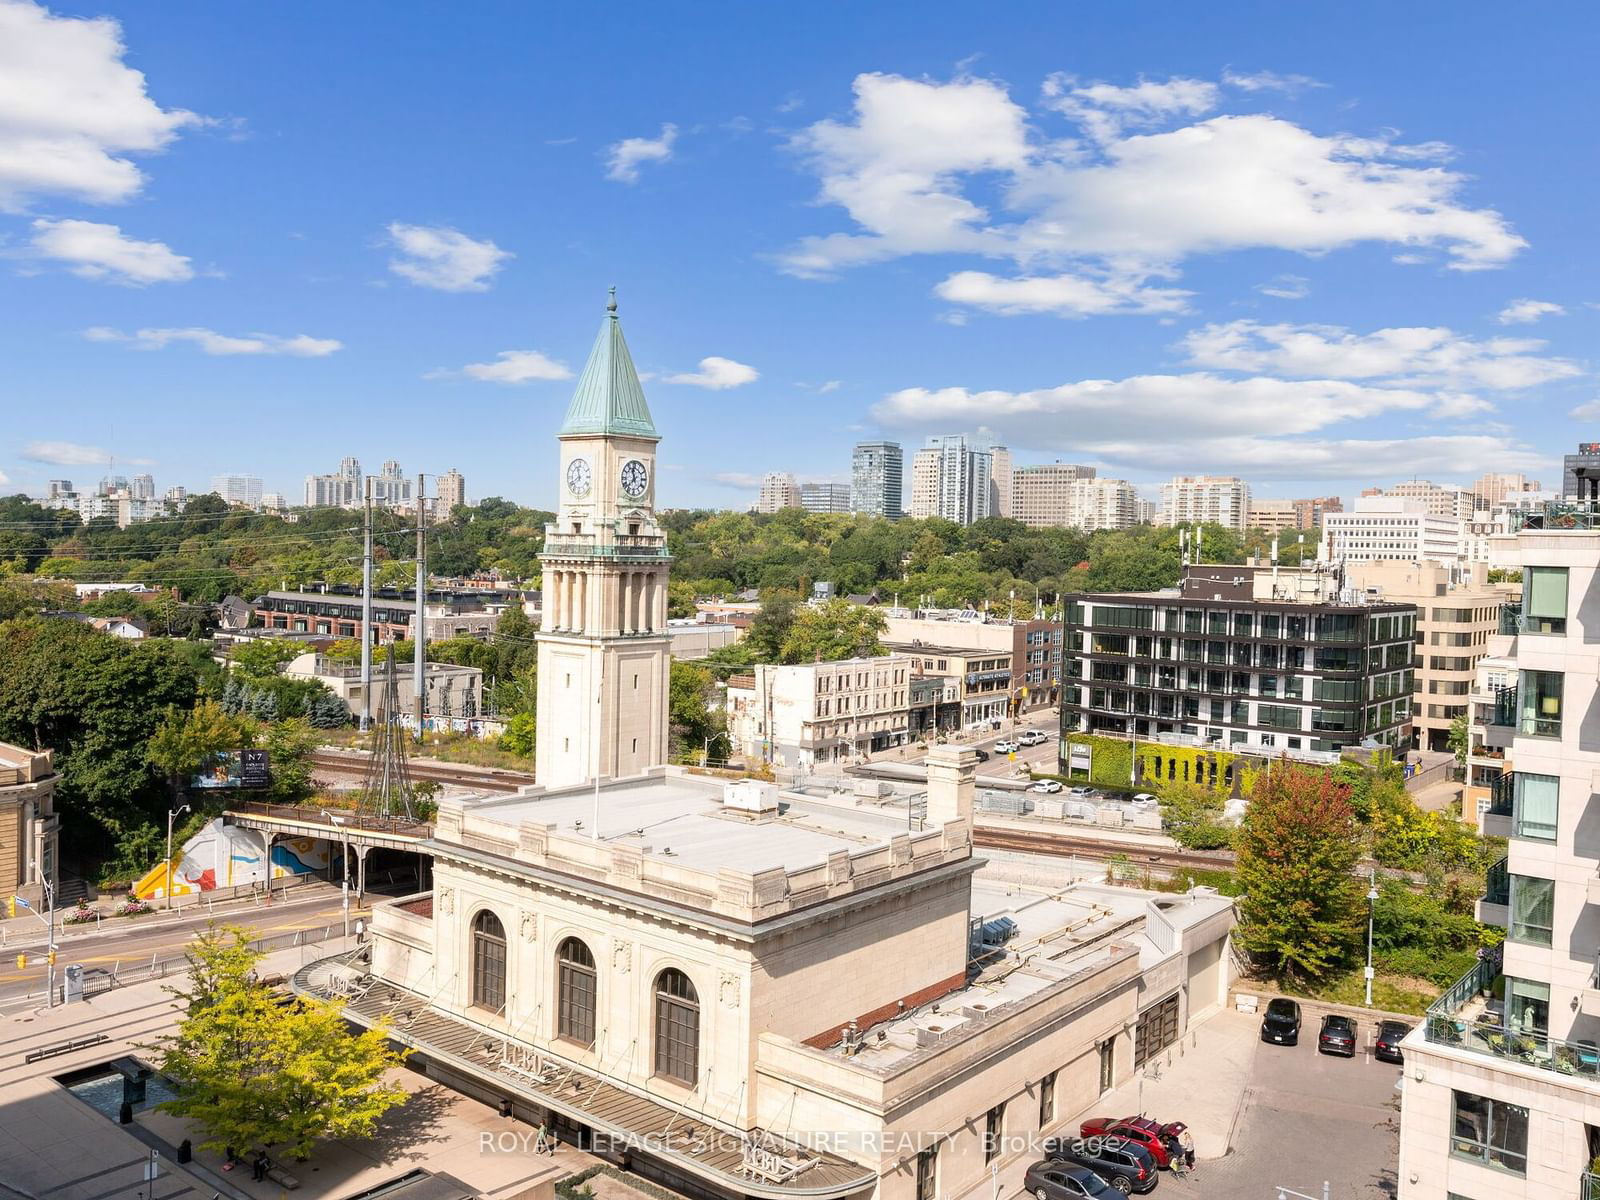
{"x": 611, "y": 305}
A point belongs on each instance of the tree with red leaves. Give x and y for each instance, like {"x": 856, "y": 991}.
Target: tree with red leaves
{"x": 1302, "y": 910}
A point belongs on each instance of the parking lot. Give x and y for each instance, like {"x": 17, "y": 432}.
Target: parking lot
{"x": 1307, "y": 1117}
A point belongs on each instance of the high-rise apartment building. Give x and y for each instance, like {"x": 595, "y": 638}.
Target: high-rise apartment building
{"x": 391, "y": 488}
{"x": 1308, "y": 513}
{"x": 825, "y": 497}
{"x": 1580, "y": 473}
{"x": 1206, "y": 499}
{"x": 1438, "y": 500}
{"x": 877, "y": 480}
{"x": 1000, "y": 477}
{"x": 343, "y": 489}
{"x": 143, "y": 487}
{"x": 952, "y": 477}
{"x": 1274, "y": 516}
{"x": 176, "y": 497}
{"x": 1496, "y": 487}
{"x": 1068, "y": 496}
{"x": 1502, "y": 1077}
{"x": 778, "y": 492}
{"x": 243, "y": 490}
{"x": 452, "y": 493}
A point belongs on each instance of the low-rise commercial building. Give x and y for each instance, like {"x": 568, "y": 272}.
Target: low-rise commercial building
{"x": 824, "y": 712}
{"x": 1225, "y": 660}
{"x": 29, "y": 826}
{"x": 336, "y": 612}
{"x": 1034, "y": 646}
{"x": 1391, "y": 528}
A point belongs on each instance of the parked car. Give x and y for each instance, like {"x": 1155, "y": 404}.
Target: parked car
{"x": 1048, "y": 786}
{"x": 1387, "y": 1047}
{"x": 1081, "y": 793}
{"x": 983, "y": 755}
{"x": 1146, "y": 798}
{"x": 1125, "y": 1165}
{"x": 1281, "y": 1024}
{"x": 1006, "y": 746}
{"x": 1048, "y": 1180}
{"x": 1337, "y": 1036}
{"x": 1032, "y": 737}
{"x": 1165, "y": 1142}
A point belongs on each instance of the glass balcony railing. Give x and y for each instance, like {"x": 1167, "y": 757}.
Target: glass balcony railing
{"x": 1497, "y": 883}
{"x": 1501, "y": 791}
{"x": 1557, "y": 514}
{"x": 1510, "y": 618}
{"x": 1462, "y": 1019}
{"x": 1504, "y": 709}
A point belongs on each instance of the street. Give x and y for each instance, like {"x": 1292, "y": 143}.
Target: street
{"x": 127, "y": 943}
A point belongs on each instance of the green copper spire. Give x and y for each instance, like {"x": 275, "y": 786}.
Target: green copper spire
{"x": 609, "y": 398}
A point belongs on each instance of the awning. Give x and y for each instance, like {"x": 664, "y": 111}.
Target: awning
{"x": 746, "y": 1162}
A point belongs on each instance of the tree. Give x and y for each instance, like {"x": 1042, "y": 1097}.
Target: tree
{"x": 770, "y": 629}
{"x": 1459, "y": 737}
{"x": 263, "y": 656}
{"x": 255, "y": 1071}
{"x": 1192, "y": 813}
{"x": 184, "y": 741}
{"x": 691, "y": 717}
{"x": 520, "y": 735}
{"x": 290, "y": 745}
{"x": 1303, "y": 910}
{"x": 833, "y": 630}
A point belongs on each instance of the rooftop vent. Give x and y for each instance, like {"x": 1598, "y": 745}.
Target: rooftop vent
{"x": 750, "y": 795}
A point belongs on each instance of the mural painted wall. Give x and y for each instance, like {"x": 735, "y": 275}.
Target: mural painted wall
{"x": 226, "y": 856}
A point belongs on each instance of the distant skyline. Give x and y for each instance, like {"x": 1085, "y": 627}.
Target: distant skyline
{"x": 1154, "y": 240}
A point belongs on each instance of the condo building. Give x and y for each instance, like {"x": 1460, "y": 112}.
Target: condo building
{"x": 1206, "y": 499}
{"x": 877, "y": 480}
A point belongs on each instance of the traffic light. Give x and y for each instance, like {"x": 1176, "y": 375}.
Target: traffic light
{"x": 22, "y": 962}
{"x": 52, "y": 958}
{"x": 11, "y": 906}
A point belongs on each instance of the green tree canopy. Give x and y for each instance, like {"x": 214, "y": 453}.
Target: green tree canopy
{"x": 833, "y": 630}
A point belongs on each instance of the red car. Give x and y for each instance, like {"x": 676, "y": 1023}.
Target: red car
{"x": 1163, "y": 1141}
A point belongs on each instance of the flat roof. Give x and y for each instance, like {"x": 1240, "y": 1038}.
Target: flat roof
{"x": 682, "y": 818}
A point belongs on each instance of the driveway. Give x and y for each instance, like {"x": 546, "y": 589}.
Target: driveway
{"x": 1309, "y": 1117}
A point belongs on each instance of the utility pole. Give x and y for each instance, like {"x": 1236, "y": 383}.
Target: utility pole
{"x": 419, "y": 663}
{"x": 366, "y": 609}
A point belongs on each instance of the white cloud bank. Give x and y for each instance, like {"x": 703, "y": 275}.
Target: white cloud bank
{"x": 1526, "y": 312}
{"x": 717, "y": 374}
{"x": 73, "y": 454}
{"x": 624, "y": 158}
{"x": 92, "y": 250}
{"x": 510, "y": 366}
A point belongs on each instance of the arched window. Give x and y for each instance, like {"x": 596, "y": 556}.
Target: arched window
{"x": 575, "y": 992}
{"x": 488, "y": 962}
{"x": 677, "y": 1028}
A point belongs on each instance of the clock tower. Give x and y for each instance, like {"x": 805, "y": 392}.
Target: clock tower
{"x": 604, "y": 661}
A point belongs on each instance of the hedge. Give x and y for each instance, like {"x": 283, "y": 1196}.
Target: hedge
{"x": 1225, "y": 772}
{"x": 572, "y": 1187}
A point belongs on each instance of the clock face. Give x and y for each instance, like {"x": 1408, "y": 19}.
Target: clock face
{"x": 578, "y": 477}
{"x": 634, "y": 478}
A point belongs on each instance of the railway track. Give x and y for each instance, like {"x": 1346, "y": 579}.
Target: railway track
{"x": 1064, "y": 845}
{"x": 485, "y": 779}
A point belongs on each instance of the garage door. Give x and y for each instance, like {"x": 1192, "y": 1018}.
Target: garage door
{"x": 1158, "y": 1029}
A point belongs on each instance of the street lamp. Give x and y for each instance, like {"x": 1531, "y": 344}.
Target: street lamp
{"x": 1372, "y": 900}
{"x": 344, "y": 857}
{"x": 171, "y": 813}
{"x": 705, "y": 750}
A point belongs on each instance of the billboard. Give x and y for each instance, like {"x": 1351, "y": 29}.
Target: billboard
{"x": 233, "y": 769}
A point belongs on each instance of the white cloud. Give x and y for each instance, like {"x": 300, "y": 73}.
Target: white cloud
{"x": 831, "y": 385}
{"x": 72, "y": 454}
{"x": 736, "y": 479}
{"x": 444, "y": 258}
{"x": 916, "y": 164}
{"x": 1062, "y": 295}
{"x": 1526, "y": 312}
{"x": 71, "y": 110}
{"x": 624, "y": 158}
{"x": 1426, "y": 357}
{"x": 1270, "y": 81}
{"x": 96, "y": 251}
{"x": 4, "y": 479}
{"x": 1286, "y": 287}
{"x": 718, "y": 374}
{"x": 510, "y": 366}
{"x": 1105, "y": 110}
{"x": 211, "y": 342}
{"x": 1588, "y": 411}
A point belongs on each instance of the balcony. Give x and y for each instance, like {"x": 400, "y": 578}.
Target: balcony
{"x": 1497, "y": 817}
{"x": 1557, "y": 514}
{"x": 1589, "y": 1186}
{"x": 1463, "y": 1019}
{"x": 1493, "y": 905}
{"x": 1502, "y": 711}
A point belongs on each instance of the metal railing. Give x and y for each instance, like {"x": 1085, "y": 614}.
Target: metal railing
{"x": 1501, "y": 792}
{"x": 1497, "y": 883}
{"x": 349, "y": 819}
{"x": 1557, "y": 514}
{"x": 1504, "y": 710}
{"x": 1589, "y": 1186}
{"x": 1443, "y": 1026}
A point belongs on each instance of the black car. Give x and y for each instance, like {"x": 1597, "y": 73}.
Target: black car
{"x": 1282, "y": 1022}
{"x": 1387, "y": 1047}
{"x": 1123, "y": 1164}
{"x": 1063, "y": 1181}
{"x": 983, "y": 755}
{"x": 1338, "y": 1036}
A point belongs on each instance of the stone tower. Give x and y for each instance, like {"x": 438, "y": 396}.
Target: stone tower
{"x": 603, "y": 647}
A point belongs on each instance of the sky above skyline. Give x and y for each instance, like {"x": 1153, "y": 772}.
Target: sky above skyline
{"x": 1321, "y": 250}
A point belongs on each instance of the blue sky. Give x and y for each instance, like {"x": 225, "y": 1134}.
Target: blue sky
{"x": 1321, "y": 250}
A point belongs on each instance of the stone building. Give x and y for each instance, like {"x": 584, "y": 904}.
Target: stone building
{"x": 28, "y": 822}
